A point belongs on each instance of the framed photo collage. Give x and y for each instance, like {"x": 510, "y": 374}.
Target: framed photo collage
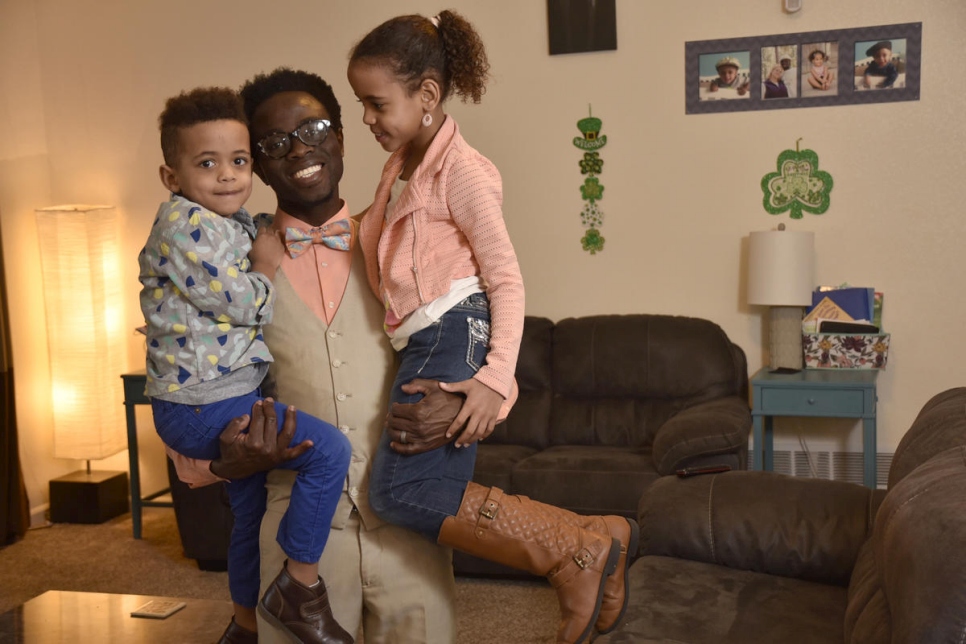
{"x": 810, "y": 69}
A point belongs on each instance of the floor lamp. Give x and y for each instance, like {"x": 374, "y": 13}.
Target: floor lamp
{"x": 79, "y": 253}
{"x": 781, "y": 276}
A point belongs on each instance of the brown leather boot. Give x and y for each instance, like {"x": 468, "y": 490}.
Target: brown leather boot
{"x": 302, "y": 612}
{"x": 614, "y": 603}
{"x": 519, "y": 532}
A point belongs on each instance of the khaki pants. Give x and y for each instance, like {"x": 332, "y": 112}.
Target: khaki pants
{"x": 388, "y": 585}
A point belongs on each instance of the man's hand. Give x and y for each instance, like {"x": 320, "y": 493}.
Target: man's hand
{"x": 262, "y": 448}
{"x": 426, "y": 422}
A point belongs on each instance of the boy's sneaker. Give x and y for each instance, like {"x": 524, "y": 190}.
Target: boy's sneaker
{"x": 302, "y": 612}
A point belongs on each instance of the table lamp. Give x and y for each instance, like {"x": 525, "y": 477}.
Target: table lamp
{"x": 79, "y": 252}
{"x": 781, "y": 276}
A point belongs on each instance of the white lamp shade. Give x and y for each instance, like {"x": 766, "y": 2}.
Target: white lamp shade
{"x": 79, "y": 252}
{"x": 781, "y": 267}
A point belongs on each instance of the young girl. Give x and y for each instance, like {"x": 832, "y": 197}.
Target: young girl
{"x": 820, "y": 76}
{"x": 438, "y": 255}
{"x": 207, "y": 291}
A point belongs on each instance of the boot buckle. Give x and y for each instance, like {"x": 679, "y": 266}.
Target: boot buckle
{"x": 583, "y": 558}
{"x": 489, "y": 509}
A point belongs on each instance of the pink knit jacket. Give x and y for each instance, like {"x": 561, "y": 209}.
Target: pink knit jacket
{"x": 447, "y": 224}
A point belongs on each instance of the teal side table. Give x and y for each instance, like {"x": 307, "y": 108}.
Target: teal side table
{"x": 814, "y": 393}
{"x": 134, "y": 395}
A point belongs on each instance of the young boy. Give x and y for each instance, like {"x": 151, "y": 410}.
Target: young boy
{"x": 207, "y": 290}
{"x": 881, "y": 72}
{"x": 728, "y": 77}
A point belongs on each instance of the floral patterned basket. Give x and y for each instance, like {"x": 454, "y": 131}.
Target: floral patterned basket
{"x": 844, "y": 351}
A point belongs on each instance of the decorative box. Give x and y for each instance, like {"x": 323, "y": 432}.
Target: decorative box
{"x": 845, "y": 351}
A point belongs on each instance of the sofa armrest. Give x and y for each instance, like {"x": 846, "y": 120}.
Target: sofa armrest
{"x": 760, "y": 521}
{"x": 719, "y": 426}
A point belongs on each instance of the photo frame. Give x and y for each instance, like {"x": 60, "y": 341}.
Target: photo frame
{"x": 877, "y": 64}
{"x": 579, "y": 26}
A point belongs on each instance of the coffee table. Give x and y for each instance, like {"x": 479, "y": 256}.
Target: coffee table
{"x": 64, "y": 616}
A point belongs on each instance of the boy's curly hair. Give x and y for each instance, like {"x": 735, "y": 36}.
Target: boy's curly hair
{"x": 414, "y": 49}
{"x": 200, "y": 105}
{"x": 283, "y": 79}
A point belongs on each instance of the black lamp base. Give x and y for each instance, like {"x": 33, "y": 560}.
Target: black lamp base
{"x": 88, "y": 497}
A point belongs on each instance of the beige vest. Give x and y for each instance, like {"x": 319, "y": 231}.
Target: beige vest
{"x": 340, "y": 373}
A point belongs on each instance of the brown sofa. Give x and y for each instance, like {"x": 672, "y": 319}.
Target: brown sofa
{"x": 760, "y": 557}
{"x": 607, "y": 404}
{"x": 610, "y": 403}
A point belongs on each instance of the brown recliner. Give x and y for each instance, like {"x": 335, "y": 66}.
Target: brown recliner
{"x": 761, "y": 557}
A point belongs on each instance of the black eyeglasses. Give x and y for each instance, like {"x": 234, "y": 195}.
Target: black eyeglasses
{"x": 277, "y": 144}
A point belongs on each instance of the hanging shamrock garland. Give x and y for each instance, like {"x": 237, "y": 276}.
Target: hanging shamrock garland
{"x": 798, "y": 185}
{"x": 592, "y": 190}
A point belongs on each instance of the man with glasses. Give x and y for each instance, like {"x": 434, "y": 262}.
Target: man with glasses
{"x": 332, "y": 360}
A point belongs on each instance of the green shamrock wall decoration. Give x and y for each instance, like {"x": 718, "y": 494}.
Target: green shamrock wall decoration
{"x": 798, "y": 185}
{"x": 592, "y": 189}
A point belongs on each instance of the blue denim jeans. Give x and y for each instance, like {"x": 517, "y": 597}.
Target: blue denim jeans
{"x": 193, "y": 430}
{"x": 419, "y": 491}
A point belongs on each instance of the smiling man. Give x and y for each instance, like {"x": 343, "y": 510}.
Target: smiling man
{"x": 332, "y": 360}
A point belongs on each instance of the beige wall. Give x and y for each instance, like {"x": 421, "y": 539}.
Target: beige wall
{"x": 83, "y": 80}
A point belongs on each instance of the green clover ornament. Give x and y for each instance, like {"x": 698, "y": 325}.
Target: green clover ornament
{"x": 591, "y": 163}
{"x": 592, "y": 241}
{"x": 591, "y": 216}
{"x": 798, "y": 185}
{"x": 592, "y": 190}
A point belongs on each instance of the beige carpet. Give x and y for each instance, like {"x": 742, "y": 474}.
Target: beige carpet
{"x": 106, "y": 558}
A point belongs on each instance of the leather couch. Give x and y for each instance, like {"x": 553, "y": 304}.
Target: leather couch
{"x": 607, "y": 405}
{"x": 610, "y": 403}
{"x": 760, "y": 557}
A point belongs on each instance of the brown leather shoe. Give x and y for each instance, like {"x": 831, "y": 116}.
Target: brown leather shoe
{"x": 236, "y": 634}
{"x": 302, "y": 612}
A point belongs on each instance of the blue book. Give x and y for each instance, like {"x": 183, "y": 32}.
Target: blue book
{"x": 858, "y": 302}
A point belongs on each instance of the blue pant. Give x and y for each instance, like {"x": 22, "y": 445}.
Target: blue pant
{"x": 419, "y": 491}
{"x": 193, "y": 430}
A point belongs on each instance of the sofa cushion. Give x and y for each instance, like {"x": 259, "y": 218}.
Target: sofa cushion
{"x": 675, "y": 600}
{"x": 618, "y": 378}
{"x": 586, "y": 480}
{"x": 495, "y": 464}
{"x": 762, "y": 521}
{"x": 647, "y": 356}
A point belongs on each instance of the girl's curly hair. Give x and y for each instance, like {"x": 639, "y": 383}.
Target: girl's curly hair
{"x": 451, "y": 53}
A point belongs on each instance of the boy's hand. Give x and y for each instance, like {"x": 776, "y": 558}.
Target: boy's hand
{"x": 479, "y": 412}
{"x": 267, "y": 251}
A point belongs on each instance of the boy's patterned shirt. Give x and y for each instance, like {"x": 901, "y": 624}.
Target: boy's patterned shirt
{"x": 203, "y": 309}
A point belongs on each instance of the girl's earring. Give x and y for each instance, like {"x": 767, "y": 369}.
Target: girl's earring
{"x": 427, "y": 119}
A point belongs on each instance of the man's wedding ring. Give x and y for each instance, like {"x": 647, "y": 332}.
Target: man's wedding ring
{"x": 402, "y": 436}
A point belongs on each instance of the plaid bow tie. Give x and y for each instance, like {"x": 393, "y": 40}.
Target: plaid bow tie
{"x": 336, "y": 234}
